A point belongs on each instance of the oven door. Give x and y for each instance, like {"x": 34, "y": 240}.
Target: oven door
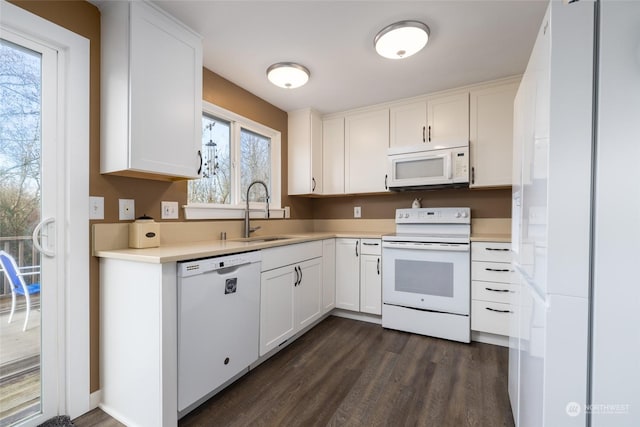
{"x": 429, "y": 276}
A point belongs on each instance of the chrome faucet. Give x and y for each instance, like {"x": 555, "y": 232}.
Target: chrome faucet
{"x": 247, "y": 229}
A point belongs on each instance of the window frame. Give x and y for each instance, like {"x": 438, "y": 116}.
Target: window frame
{"x": 236, "y": 208}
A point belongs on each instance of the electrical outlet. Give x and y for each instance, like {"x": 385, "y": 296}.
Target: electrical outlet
{"x": 169, "y": 210}
{"x": 127, "y": 209}
{"x": 96, "y": 207}
{"x": 357, "y": 212}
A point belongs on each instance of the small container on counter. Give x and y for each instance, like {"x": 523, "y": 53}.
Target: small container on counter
{"x": 144, "y": 232}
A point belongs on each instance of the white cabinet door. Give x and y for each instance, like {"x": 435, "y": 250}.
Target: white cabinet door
{"x": 152, "y": 100}
{"x": 348, "y": 274}
{"x": 333, "y": 156}
{"x": 308, "y": 293}
{"x": 371, "y": 284}
{"x": 366, "y": 144}
{"x": 448, "y": 121}
{"x": 491, "y": 135}
{"x": 305, "y": 152}
{"x": 408, "y": 124}
{"x": 277, "y": 322}
{"x": 328, "y": 275}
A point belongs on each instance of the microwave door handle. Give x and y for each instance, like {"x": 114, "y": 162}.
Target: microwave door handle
{"x": 448, "y": 162}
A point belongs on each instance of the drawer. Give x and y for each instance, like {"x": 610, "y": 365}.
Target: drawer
{"x": 505, "y": 293}
{"x": 491, "y": 251}
{"x": 491, "y": 317}
{"x": 371, "y": 246}
{"x": 290, "y": 254}
{"x": 492, "y": 272}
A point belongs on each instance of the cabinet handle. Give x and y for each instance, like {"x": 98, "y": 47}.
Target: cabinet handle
{"x": 357, "y": 241}
{"x": 498, "y": 311}
{"x": 370, "y": 244}
{"x": 498, "y": 270}
{"x": 496, "y": 249}
{"x": 497, "y": 290}
{"x": 386, "y": 187}
{"x": 378, "y": 266}
{"x": 313, "y": 185}
{"x": 300, "y": 270}
{"x": 200, "y": 167}
{"x": 429, "y": 133}
{"x": 473, "y": 174}
{"x": 297, "y": 276}
{"x": 424, "y": 136}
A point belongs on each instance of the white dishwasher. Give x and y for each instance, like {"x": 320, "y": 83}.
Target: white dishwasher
{"x": 218, "y": 323}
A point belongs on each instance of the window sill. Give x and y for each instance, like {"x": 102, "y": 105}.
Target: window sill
{"x": 195, "y": 212}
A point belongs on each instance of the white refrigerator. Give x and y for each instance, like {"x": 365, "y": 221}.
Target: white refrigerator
{"x": 574, "y": 357}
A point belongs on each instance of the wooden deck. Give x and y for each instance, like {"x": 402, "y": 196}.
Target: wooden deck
{"x": 19, "y": 362}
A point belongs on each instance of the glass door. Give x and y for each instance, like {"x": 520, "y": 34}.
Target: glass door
{"x": 28, "y": 206}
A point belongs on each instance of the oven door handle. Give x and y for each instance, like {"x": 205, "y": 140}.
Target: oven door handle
{"x": 451, "y": 247}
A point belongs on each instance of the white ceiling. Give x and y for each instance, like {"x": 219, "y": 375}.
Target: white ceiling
{"x": 471, "y": 41}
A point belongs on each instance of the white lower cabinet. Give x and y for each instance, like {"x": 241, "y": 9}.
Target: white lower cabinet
{"x": 291, "y": 294}
{"x": 348, "y": 274}
{"x": 493, "y": 288}
{"x": 328, "y": 275}
{"x": 307, "y": 304}
{"x": 359, "y": 275}
{"x": 371, "y": 284}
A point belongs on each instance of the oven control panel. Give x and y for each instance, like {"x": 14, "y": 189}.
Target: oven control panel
{"x": 433, "y": 216}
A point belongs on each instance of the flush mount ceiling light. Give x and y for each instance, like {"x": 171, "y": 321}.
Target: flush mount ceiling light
{"x": 401, "y": 39}
{"x": 288, "y": 75}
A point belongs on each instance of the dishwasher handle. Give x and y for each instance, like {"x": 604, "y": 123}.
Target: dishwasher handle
{"x": 230, "y": 270}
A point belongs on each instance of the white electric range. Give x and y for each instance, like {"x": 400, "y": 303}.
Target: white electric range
{"x": 426, "y": 282}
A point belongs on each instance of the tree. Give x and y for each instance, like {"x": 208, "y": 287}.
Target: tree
{"x": 20, "y": 99}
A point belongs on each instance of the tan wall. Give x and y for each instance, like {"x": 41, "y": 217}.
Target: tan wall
{"x": 483, "y": 203}
{"x": 83, "y": 18}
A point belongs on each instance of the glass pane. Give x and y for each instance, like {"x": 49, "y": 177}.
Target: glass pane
{"x": 215, "y": 184}
{"x": 20, "y": 196}
{"x": 255, "y": 164}
{"x": 424, "y": 168}
{"x": 424, "y": 277}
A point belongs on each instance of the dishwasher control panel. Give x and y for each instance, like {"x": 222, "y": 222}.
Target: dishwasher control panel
{"x": 200, "y": 266}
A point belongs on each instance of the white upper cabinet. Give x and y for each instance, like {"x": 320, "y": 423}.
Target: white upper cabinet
{"x": 366, "y": 144}
{"x": 305, "y": 152}
{"x": 491, "y": 140}
{"x": 151, "y": 93}
{"x": 408, "y": 124}
{"x": 333, "y": 156}
{"x": 434, "y": 122}
{"x": 448, "y": 121}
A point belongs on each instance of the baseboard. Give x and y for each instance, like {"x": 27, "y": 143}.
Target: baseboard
{"x": 94, "y": 399}
{"x": 371, "y": 318}
{"x": 487, "y": 338}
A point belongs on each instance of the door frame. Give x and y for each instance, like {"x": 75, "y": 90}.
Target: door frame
{"x": 72, "y": 218}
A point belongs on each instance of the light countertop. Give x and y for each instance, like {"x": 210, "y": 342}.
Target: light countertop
{"x": 210, "y": 248}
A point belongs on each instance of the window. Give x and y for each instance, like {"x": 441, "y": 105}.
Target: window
{"x": 235, "y": 152}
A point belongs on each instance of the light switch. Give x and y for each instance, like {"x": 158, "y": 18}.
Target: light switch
{"x": 169, "y": 210}
{"x": 357, "y": 212}
{"x": 96, "y": 207}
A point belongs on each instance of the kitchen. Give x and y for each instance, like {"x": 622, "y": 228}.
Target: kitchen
{"x": 377, "y": 212}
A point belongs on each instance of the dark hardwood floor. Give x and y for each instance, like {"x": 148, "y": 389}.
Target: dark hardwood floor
{"x": 349, "y": 373}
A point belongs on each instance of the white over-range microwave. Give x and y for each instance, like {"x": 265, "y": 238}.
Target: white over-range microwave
{"x": 415, "y": 170}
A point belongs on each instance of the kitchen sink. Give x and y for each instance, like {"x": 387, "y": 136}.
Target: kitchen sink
{"x": 260, "y": 239}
